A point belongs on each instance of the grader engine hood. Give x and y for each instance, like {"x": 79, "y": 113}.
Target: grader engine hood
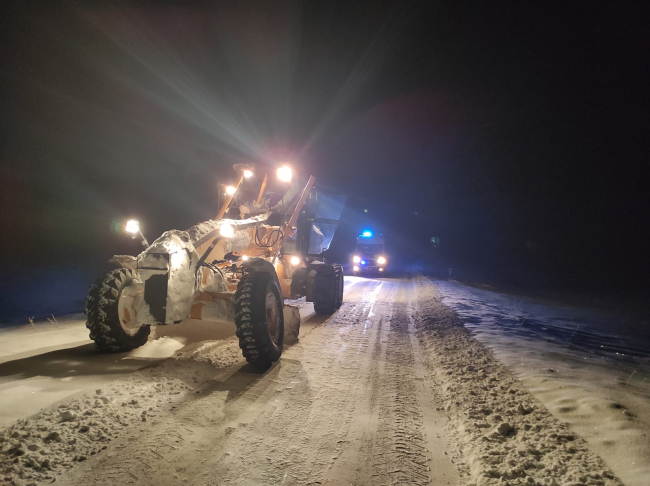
{"x": 168, "y": 272}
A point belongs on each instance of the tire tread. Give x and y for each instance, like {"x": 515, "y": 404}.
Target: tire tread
{"x": 250, "y": 319}
{"x": 102, "y": 314}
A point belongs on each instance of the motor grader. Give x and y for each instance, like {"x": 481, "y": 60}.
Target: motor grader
{"x": 237, "y": 269}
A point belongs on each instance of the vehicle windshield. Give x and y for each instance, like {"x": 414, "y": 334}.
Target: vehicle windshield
{"x": 370, "y": 248}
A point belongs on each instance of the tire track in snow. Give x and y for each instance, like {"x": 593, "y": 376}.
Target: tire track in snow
{"x": 300, "y": 438}
{"x": 238, "y": 430}
{"x": 399, "y": 455}
{"x": 352, "y": 463}
{"x": 343, "y": 406}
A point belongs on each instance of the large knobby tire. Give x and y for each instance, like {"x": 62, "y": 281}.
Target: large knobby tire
{"x": 103, "y": 320}
{"x": 326, "y": 292}
{"x": 259, "y": 318}
{"x": 338, "y": 269}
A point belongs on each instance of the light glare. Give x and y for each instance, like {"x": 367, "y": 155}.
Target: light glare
{"x": 230, "y": 190}
{"x": 355, "y": 268}
{"x": 381, "y": 260}
{"x": 295, "y": 260}
{"x": 284, "y": 173}
{"x": 226, "y": 230}
{"x": 356, "y": 258}
{"x": 248, "y": 173}
{"x": 132, "y": 226}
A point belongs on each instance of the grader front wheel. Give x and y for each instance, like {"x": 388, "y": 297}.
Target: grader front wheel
{"x": 102, "y": 312}
{"x": 259, "y": 318}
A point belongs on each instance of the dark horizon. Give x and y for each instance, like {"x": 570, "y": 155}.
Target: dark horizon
{"x": 515, "y": 133}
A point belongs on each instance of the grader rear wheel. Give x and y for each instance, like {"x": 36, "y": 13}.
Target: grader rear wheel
{"x": 259, "y": 318}
{"x": 326, "y": 290}
{"x": 338, "y": 269}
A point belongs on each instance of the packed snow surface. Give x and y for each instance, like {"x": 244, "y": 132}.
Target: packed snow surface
{"x": 588, "y": 365}
{"x": 390, "y": 390}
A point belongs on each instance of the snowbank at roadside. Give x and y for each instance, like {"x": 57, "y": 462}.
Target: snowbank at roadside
{"x": 43, "y": 446}
{"x": 503, "y": 435}
{"x": 583, "y": 364}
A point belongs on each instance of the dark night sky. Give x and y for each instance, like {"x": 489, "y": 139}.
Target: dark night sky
{"x": 516, "y": 131}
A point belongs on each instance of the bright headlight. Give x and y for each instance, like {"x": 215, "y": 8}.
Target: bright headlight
{"x": 295, "y": 260}
{"x": 132, "y": 226}
{"x": 284, "y": 173}
{"x": 356, "y": 258}
{"x": 381, "y": 260}
{"x": 355, "y": 268}
{"x": 226, "y": 230}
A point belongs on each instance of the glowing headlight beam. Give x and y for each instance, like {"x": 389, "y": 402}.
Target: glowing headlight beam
{"x": 226, "y": 230}
{"x": 285, "y": 173}
{"x": 132, "y": 226}
{"x": 381, "y": 260}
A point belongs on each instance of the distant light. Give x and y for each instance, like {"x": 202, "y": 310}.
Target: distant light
{"x": 365, "y": 210}
{"x": 244, "y": 257}
{"x": 132, "y": 226}
{"x": 230, "y": 190}
{"x": 285, "y": 173}
{"x": 226, "y": 230}
{"x": 355, "y": 268}
{"x": 363, "y": 262}
{"x": 248, "y": 173}
{"x": 381, "y": 269}
{"x": 381, "y": 260}
{"x": 356, "y": 258}
{"x": 295, "y": 260}
{"x": 366, "y": 234}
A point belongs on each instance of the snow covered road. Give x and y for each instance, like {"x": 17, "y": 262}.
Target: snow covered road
{"x": 335, "y": 409}
{"x": 589, "y": 365}
{"x": 390, "y": 390}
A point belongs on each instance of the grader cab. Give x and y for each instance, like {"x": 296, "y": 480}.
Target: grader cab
{"x": 226, "y": 270}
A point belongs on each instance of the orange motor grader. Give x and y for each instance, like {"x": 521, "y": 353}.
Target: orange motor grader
{"x": 226, "y": 270}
